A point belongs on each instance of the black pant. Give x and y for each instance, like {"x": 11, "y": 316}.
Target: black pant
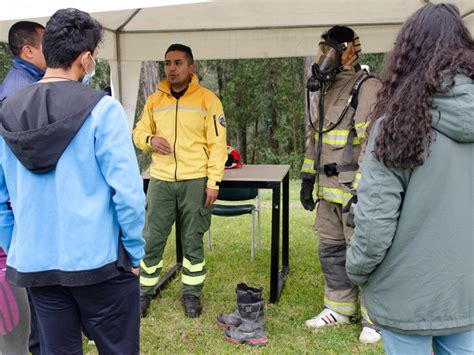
{"x": 109, "y": 311}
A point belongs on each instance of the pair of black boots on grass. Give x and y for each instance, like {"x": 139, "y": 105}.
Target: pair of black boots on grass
{"x": 191, "y": 304}
{"x": 246, "y": 324}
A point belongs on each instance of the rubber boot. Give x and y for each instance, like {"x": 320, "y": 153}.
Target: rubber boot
{"x": 245, "y": 294}
{"x": 252, "y": 328}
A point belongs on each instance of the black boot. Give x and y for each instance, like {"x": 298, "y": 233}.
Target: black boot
{"x": 144, "y": 305}
{"x": 245, "y": 294}
{"x": 252, "y": 329}
{"x": 192, "y": 306}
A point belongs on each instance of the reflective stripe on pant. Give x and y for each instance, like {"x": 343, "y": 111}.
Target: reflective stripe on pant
{"x": 163, "y": 200}
{"x": 340, "y": 294}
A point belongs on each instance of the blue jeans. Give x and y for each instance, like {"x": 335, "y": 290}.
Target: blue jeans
{"x": 458, "y": 343}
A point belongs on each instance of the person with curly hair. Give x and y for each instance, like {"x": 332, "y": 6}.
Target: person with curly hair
{"x": 412, "y": 247}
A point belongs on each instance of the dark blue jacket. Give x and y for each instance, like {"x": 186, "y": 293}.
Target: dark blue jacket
{"x": 21, "y": 74}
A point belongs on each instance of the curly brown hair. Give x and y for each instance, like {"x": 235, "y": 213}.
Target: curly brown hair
{"x": 431, "y": 48}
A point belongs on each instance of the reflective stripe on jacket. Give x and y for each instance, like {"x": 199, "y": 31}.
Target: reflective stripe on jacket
{"x": 338, "y": 188}
{"x": 195, "y": 128}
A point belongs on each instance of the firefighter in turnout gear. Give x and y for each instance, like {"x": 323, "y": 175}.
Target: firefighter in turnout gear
{"x": 335, "y": 141}
{"x": 183, "y": 125}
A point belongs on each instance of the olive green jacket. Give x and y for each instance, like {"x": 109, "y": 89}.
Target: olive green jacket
{"x": 413, "y": 246}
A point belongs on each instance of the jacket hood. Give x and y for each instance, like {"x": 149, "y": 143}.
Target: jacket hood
{"x": 453, "y": 112}
{"x": 193, "y": 85}
{"x": 39, "y": 121}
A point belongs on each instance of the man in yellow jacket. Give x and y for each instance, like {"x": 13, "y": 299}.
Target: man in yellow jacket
{"x": 184, "y": 127}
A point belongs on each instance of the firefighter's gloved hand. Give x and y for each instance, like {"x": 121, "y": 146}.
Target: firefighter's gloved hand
{"x": 347, "y": 207}
{"x": 306, "y": 194}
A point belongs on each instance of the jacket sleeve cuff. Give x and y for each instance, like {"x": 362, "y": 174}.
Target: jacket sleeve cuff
{"x": 213, "y": 184}
{"x": 148, "y": 142}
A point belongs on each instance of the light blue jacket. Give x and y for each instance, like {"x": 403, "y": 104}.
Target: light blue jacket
{"x": 68, "y": 219}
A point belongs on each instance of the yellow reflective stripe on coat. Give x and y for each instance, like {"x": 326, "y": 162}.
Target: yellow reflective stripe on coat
{"x": 192, "y": 280}
{"x": 149, "y": 281}
{"x": 348, "y": 309}
{"x": 151, "y": 269}
{"x": 361, "y": 128}
{"x": 337, "y": 137}
{"x": 193, "y": 268}
{"x": 334, "y": 195}
{"x": 355, "y": 184}
{"x": 308, "y": 166}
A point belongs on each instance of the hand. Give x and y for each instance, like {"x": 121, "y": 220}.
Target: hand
{"x": 161, "y": 145}
{"x": 211, "y": 197}
{"x": 306, "y": 194}
{"x": 136, "y": 270}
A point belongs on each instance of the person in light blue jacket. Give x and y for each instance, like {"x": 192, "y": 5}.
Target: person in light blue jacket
{"x": 412, "y": 248}
{"x": 73, "y": 232}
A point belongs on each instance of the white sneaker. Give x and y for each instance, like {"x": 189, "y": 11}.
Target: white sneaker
{"x": 326, "y": 318}
{"x": 369, "y": 336}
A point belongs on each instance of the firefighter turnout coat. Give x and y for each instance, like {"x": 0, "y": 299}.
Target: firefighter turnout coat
{"x": 342, "y": 147}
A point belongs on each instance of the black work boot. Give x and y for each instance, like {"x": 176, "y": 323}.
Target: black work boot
{"x": 245, "y": 294}
{"x": 252, "y": 329}
{"x": 192, "y": 306}
{"x": 144, "y": 305}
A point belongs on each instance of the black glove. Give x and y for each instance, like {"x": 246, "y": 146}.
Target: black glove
{"x": 349, "y": 209}
{"x": 306, "y": 194}
{"x": 349, "y": 203}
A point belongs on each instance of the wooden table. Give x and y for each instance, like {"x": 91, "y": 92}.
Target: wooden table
{"x": 276, "y": 178}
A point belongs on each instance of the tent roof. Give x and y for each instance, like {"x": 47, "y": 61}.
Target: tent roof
{"x": 229, "y": 28}
{"x": 142, "y": 30}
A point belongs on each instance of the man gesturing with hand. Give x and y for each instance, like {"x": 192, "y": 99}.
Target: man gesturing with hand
{"x": 183, "y": 125}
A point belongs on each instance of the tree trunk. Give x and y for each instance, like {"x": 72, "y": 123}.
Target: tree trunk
{"x": 272, "y": 90}
{"x": 150, "y": 77}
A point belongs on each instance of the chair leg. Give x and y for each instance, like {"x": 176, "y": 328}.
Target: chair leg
{"x": 209, "y": 241}
{"x": 253, "y": 235}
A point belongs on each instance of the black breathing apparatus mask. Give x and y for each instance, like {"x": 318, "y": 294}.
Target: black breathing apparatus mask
{"x": 327, "y": 65}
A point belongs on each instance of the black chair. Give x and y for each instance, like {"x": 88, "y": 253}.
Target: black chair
{"x": 238, "y": 194}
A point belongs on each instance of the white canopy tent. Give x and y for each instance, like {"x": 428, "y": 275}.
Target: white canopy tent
{"x": 222, "y": 29}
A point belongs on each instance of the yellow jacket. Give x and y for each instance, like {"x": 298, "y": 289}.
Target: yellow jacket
{"x": 194, "y": 126}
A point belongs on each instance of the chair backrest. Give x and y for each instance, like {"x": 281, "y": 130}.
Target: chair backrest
{"x": 237, "y": 194}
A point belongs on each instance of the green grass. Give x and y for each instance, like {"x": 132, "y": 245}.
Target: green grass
{"x": 167, "y": 330}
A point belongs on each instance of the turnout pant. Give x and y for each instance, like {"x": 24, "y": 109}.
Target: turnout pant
{"x": 109, "y": 311}
{"x": 164, "y": 200}
{"x": 340, "y": 294}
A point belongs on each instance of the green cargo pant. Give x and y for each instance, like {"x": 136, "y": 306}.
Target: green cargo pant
{"x": 164, "y": 200}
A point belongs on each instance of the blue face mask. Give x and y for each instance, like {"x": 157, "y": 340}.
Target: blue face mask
{"x": 88, "y": 77}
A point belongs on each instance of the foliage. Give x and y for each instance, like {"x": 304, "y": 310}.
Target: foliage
{"x": 262, "y": 100}
{"x": 5, "y": 60}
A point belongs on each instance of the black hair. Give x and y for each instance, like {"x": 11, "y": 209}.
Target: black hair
{"x": 68, "y": 33}
{"x": 182, "y": 48}
{"x": 23, "y": 33}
